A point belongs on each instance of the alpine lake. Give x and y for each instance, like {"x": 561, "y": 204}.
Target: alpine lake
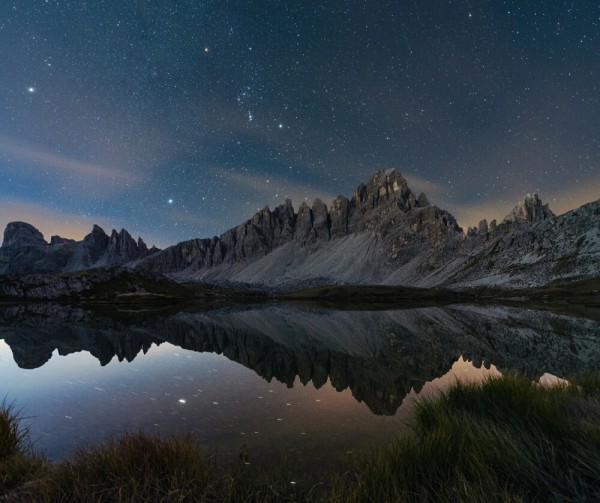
{"x": 265, "y": 384}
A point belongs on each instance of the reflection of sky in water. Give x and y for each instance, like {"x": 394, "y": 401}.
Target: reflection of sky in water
{"x": 72, "y": 401}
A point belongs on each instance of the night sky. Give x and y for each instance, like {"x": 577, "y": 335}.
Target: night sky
{"x": 180, "y": 119}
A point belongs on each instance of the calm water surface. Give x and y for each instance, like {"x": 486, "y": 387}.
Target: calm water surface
{"x": 312, "y": 386}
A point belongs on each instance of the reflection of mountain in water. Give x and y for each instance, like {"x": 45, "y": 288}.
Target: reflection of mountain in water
{"x": 380, "y": 355}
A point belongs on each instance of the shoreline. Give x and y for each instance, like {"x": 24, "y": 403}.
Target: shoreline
{"x": 469, "y": 442}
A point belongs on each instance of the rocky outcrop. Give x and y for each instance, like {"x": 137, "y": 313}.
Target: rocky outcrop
{"x": 304, "y": 232}
{"x": 338, "y": 216}
{"x": 19, "y": 234}
{"x": 94, "y": 245}
{"x": 530, "y": 210}
{"x": 142, "y": 248}
{"x": 58, "y": 240}
{"x": 320, "y": 220}
{"x": 122, "y": 248}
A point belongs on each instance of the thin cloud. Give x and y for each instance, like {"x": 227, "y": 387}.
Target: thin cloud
{"x": 418, "y": 184}
{"x": 63, "y": 164}
{"x": 273, "y": 190}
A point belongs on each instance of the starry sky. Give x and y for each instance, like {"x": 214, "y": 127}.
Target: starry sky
{"x": 180, "y": 119}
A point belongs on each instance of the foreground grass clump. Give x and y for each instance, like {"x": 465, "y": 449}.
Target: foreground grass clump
{"x": 18, "y": 464}
{"x": 148, "y": 468}
{"x": 136, "y": 468}
{"x": 506, "y": 439}
{"x": 131, "y": 468}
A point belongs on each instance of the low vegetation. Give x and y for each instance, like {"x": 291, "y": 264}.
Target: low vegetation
{"x": 507, "y": 439}
{"x": 371, "y": 297}
{"x": 573, "y": 297}
{"x": 582, "y": 292}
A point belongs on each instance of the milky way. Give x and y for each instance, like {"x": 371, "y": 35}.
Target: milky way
{"x": 180, "y": 119}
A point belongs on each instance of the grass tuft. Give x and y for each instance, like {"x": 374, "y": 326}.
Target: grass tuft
{"x": 137, "y": 468}
{"x": 18, "y": 463}
{"x": 13, "y": 436}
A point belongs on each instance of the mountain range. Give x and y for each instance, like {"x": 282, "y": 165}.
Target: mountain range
{"x": 383, "y": 234}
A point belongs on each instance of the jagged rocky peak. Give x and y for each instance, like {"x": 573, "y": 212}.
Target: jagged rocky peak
{"x": 284, "y": 212}
{"x": 338, "y": 216}
{"x": 22, "y": 234}
{"x": 97, "y": 238}
{"x": 387, "y": 185}
{"x": 396, "y": 182}
{"x": 122, "y": 245}
{"x": 378, "y": 188}
{"x": 94, "y": 244}
{"x": 320, "y": 219}
{"x": 303, "y": 230}
{"x": 530, "y": 209}
{"x": 123, "y": 248}
{"x": 142, "y": 247}
{"x": 153, "y": 250}
{"x": 482, "y": 229}
{"x": 284, "y": 219}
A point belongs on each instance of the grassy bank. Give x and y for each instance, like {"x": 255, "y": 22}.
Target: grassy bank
{"x": 507, "y": 439}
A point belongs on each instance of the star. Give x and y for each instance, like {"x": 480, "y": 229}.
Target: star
{"x": 170, "y": 201}
{"x": 31, "y": 89}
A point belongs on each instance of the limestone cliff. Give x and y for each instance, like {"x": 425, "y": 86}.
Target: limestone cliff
{"x": 385, "y": 219}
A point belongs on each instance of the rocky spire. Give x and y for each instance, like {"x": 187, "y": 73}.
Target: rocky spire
{"x": 94, "y": 245}
{"x": 530, "y": 209}
{"x": 142, "y": 247}
{"x": 59, "y": 240}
